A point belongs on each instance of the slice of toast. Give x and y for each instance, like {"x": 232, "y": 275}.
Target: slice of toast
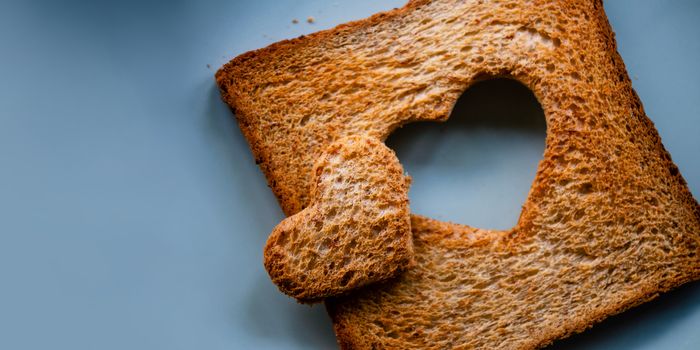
{"x": 609, "y": 221}
{"x": 356, "y": 230}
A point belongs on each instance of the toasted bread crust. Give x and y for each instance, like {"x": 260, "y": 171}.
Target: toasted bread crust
{"x": 355, "y": 317}
{"x": 609, "y": 221}
{"x": 237, "y": 76}
{"x": 356, "y": 231}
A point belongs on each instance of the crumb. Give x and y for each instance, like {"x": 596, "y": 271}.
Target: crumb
{"x": 208, "y": 65}
{"x": 295, "y": 21}
{"x": 311, "y": 19}
{"x": 635, "y": 77}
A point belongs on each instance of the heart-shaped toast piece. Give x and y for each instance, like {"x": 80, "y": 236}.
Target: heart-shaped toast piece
{"x": 356, "y": 231}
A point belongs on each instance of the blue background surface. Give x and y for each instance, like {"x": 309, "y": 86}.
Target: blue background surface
{"x": 132, "y": 215}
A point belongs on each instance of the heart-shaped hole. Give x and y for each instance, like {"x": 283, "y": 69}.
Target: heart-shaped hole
{"x": 476, "y": 168}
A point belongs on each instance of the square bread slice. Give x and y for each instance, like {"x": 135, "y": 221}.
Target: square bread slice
{"x": 609, "y": 222}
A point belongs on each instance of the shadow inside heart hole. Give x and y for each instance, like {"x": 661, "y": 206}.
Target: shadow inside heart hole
{"x": 476, "y": 168}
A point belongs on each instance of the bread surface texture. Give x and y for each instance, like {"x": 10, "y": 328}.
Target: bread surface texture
{"x": 609, "y": 222}
{"x": 478, "y": 289}
{"x": 356, "y": 230}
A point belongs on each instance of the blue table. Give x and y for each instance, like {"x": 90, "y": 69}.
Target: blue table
{"x": 132, "y": 215}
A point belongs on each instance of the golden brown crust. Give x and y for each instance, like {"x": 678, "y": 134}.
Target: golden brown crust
{"x": 356, "y": 230}
{"x": 291, "y": 192}
{"x": 609, "y": 222}
{"x": 399, "y": 308}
